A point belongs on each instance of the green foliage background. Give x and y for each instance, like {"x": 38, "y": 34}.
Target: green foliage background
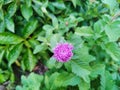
{"x": 30, "y": 29}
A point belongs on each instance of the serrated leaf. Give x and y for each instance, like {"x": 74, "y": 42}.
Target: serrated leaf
{"x": 80, "y": 71}
{"x": 51, "y": 80}
{"x": 99, "y": 26}
{"x": 49, "y": 29}
{"x": 10, "y": 24}
{"x": 12, "y": 9}
{"x": 29, "y": 28}
{"x": 83, "y": 54}
{"x": 98, "y": 69}
{"x": 9, "y": 38}
{"x": 83, "y": 85}
{"x": 14, "y": 54}
{"x": 33, "y": 81}
{"x": 113, "y": 50}
{"x": 26, "y": 11}
{"x": 65, "y": 79}
{"x": 110, "y": 83}
{"x": 84, "y": 31}
{"x": 112, "y": 31}
{"x": 112, "y": 4}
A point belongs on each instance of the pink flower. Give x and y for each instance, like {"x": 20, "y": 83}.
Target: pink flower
{"x": 63, "y": 52}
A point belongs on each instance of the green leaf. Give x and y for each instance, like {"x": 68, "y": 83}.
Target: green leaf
{"x": 40, "y": 48}
{"x": 33, "y": 43}
{"x": 83, "y": 85}
{"x": 1, "y": 55}
{"x": 10, "y": 24}
{"x": 12, "y": 9}
{"x": 51, "y": 63}
{"x": 48, "y": 27}
{"x": 29, "y": 28}
{"x": 55, "y": 39}
{"x": 68, "y": 66}
{"x": 110, "y": 84}
{"x": 29, "y": 61}
{"x": 1, "y": 3}
{"x": 44, "y": 10}
{"x": 14, "y": 54}
{"x": 54, "y": 22}
{"x": 50, "y": 79}
{"x": 46, "y": 81}
{"x": 59, "y": 5}
{"x": 84, "y": 31}
{"x": 42, "y": 39}
{"x": 7, "y": 1}
{"x": 83, "y": 55}
{"x": 26, "y": 11}
{"x": 38, "y": 10}
{"x": 4, "y": 75}
{"x": 80, "y": 71}
{"x": 112, "y": 31}
{"x": 2, "y": 78}
{"x": 2, "y": 26}
{"x": 97, "y": 69}
{"x": 64, "y": 79}
{"x": 99, "y": 26}
{"x": 9, "y": 38}
{"x": 112, "y": 4}
{"x": 33, "y": 81}
{"x": 113, "y": 50}
{"x": 19, "y": 88}
{"x": 74, "y": 3}
{"x": 28, "y": 2}
{"x": 1, "y": 15}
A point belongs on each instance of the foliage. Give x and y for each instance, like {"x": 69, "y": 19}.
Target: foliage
{"x": 32, "y": 82}
{"x": 30, "y": 29}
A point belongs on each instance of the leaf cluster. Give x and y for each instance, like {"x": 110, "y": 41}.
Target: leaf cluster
{"x": 30, "y": 29}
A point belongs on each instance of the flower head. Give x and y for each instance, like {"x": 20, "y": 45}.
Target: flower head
{"x": 63, "y": 52}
